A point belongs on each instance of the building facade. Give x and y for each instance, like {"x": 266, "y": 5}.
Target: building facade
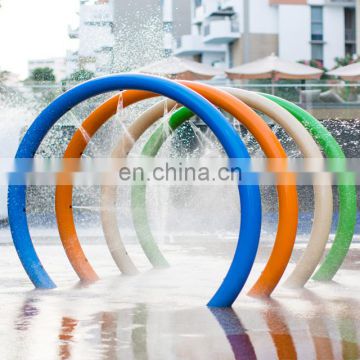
{"x": 177, "y": 21}
{"x": 95, "y": 36}
{"x": 138, "y": 33}
{"x": 230, "y": 32}
{"x": 328, "y": 30}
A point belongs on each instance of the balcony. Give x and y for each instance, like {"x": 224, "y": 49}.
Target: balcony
{"x": 221, "y": 32}
{"x": 227, "y": 4}
{"x": 189, "y": 45}
{"x": 218, "y": 8}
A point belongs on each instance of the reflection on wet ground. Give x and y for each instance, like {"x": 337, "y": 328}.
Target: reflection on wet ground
{"x": 159, "y": 315}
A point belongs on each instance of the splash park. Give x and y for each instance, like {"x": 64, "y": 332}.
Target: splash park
{"x": 148, "y": 267}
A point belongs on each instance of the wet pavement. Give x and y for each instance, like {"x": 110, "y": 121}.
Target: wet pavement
{"x": 161, "y": 314}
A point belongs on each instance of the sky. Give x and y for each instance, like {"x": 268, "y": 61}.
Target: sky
{"x": 34, "y": 29}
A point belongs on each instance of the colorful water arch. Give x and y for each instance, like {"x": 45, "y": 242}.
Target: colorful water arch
{"x": 202, "y": 100}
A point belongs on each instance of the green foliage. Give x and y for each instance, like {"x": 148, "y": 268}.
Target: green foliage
{"x": 81, "y": 75}
{"x": 313, "y": 63}
{"x": 42, "y": 82}
{"x": 347, "y": 60}
{"x": 42, "y": 75}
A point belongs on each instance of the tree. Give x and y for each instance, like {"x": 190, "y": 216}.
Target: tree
{"x": 81, "y": 75}
{"x": 42, "y": 83}
{"x": 42, "y": 74}
{"x": 347, "y": 60}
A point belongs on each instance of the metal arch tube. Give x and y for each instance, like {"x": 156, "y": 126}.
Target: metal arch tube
{"x": 346, "y": 190}
{"x": 43, "y": 123}
{"x": 323, "y": 193}
{"x": 251, "y": 218}
{"x": 323, "y": 196}
{"x": 108, "y": 196}
{"x": 287, "y": 193}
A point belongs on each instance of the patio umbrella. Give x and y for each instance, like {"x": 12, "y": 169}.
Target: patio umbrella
{"x": 272, "y": 67}
{"x": 350, "y": 72}
{"x": 178, "y": 68}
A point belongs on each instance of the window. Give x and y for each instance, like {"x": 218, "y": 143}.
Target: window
{"x": 350, "y": 49}
{"x": 317, "y": 23}
{"x": 317, "y": 52}
{"x": 317, "y": 33}
{"x": 350, "y": 37}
